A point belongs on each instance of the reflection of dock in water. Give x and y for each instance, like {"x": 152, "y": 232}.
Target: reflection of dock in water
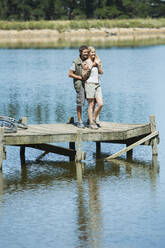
{"x": 91, "y": 213}
{"x": 88, "y": 199}
{"x": 40, "y": 136}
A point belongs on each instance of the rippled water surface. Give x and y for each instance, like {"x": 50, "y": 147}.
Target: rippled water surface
{"x": 54, "y": 203}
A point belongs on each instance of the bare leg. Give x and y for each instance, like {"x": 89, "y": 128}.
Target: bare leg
{"x": 79, "y": 110}
{"x": 98, "y": 108}
{"x": 94, "y": 105}
{"x": 90, "y": 109}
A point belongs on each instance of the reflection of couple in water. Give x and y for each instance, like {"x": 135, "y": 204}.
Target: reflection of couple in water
{"x": 85, "y": 72}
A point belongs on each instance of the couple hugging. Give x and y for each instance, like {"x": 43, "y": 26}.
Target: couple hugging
{"x": 85, "y": 72}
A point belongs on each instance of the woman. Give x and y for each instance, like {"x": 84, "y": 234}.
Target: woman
{"x": 92, "y": 86}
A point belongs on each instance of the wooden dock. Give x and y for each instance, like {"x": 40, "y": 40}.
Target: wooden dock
{"x": 42, "y": 136}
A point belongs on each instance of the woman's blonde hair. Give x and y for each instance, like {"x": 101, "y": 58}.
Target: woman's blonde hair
{"x": 90, "y": 49}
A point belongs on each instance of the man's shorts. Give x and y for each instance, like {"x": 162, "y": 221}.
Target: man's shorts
{"x": 93, "y": 90}
{"x": 80, "y": 98}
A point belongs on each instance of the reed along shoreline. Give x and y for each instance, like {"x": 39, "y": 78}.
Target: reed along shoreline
{"x": 103, "y": 37}
{"x": 100, "y": 33}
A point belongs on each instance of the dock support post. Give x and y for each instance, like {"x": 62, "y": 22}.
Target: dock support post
{"x": 155, "y": 164}
{"x": 79, "y": 154}
{"x": 154, "y": 140}
{"x": 79, "y": 146}
{"x": 22, "y": 155}
{"x": 72, "y": 146}
{"x": 98, "y": 149}
{"x": 79, "y": 172}
{"x": 129, "y": 154}
{"x": 1, "y": 146}
{"x": 98, "y": 146}
{"x": 22, "y": 148}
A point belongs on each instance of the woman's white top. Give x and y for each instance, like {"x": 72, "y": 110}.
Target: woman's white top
{"x": 94, "y": 76}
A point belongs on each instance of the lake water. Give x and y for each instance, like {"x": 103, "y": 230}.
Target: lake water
{"x": 114, "y": 204}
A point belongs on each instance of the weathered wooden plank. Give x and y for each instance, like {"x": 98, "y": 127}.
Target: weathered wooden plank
{"x": 130, "y": 140}
{"x": 153, "y": 129}
{"x": 150, "y": 136}
{"x": 52, "y": 133}
{"x": 39, "y": 136}
{"x": 42, "y": 155}
{"x": 60, "y": 128}
{"x": 137, "y": 131}
{"x": 43, "y": 130}
{"x": 54, "y": 149}
{"x": 53, "y": 138}
{"x": 102, "y": 135}
{"x": 39, "y": 139}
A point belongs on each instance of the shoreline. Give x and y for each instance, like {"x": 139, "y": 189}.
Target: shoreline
{"x": 52, "y": 38}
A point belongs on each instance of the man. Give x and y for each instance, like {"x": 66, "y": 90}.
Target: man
{"x": 75, "y": 72}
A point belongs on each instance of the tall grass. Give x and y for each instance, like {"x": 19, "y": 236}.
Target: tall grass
{"x": 62, "y": 26}
{"x": 75, "y": 44}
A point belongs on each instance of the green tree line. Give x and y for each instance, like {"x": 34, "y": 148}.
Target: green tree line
{"x": 25, "y": 10}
